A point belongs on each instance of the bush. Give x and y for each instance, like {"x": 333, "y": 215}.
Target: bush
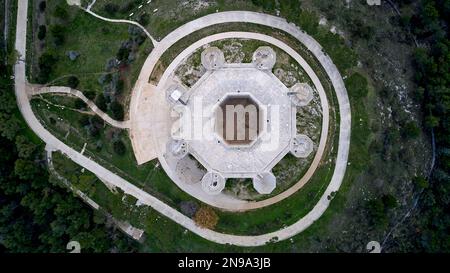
{"x": 61, "y": 12}
{"x": 46, "y": 62}
{"x": 59, "y": 34}
{"x": 389, "y": 201}
{"x": 206, "y": 217}
{"x": 89, "y": 94}
{"x": 357, "y": 86}
{"x": 189, "y": 208}
{"x": 123, "y": 54}
{"x": 111, "y": 9}
{"x": 421, "y": 182}
{"x": 42, "y": 6}
{"x": 100, "y": 101}
{"x": 119, "y": 147}
{"x": 267, "y": 5}
{"x": 73, "y": 82}
{"x": 97, "y": 122}
{"x": 410, "y": 130}
{"x": 377, "y": 212}
{"x": 120, "y": 86}
{"x": 144, "y": 19}
{"x": 83, "y": 121}
{"x": 117, "y": 110}
{"x": 42, "y": 32}
{"x": 79, "y": 104}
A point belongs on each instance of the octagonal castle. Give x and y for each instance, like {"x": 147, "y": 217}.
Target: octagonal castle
{"x": 238, "y": 120}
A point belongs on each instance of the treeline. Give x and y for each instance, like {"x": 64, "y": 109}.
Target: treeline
{"x": 432, "y": 61}
{"x": 36, "y": 213}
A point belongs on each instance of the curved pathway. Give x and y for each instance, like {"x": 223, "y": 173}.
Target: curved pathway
{"x": 35, "y": 90}
{"x": 122, "y": 21}
{"x": 144, "y": 197}
{"x": 241, "y": 205}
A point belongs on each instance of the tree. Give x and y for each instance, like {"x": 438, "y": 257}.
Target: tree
{"x": 25, "y": 147}
{"x": 389, "y": 201}
{"x": 357, "y": 85}
{"x": 46, "y": 63}
{"x": 111, "y": 8}
{"x": 100, "y": 101}
{"x": 410, "y": 130}
{"x": 206, "y": 217}
{"x": 290, "y": 9}
{"x": 42, "y": 31}
{"x": 123, "y": 54}
{"x": 267, "y": 5}
{"x": 377, "y": 213}
{"x": 9, "y": 126}
{"x": 119, "y": 147}
{"x": 421, "y": 182}
{"x": 42, "y": 6}
{"x": 59, "y": 34}
{"x": 73, "y": 82}
{"x": 79, "y": 104}
{"x": 120, "y": 86}
{"x": 117, "y": 110}
{"x": 89, "y": 94}
{"x": 83, "y": 120}
{"x": 61, "y": 12}
{"x": 24, "y": 169}
{"x": 189, "y": 208}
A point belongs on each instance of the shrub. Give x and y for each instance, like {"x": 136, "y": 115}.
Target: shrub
{"x": 119, "y": 147}
{"x": 89, "y": 94}
{"x": 421, "y": 182}
{"x": 42, "y": 6}
{"x": 206, "y": 217}
{"x": 100, "y": 101}
{"x": 120, "y": 86}
{"x": 377, "y": 214}
{"x": 79, "y": 104}
{"x": 123, "y": 54}
{"x": 117, "y": 110}
{"x": 111, "y": 9}
{"x": 189, "y": 208}
{"x": 389, "y": 201}
{"x": 410, "y": 130}
{"x": 83, "y": 120}
{"x": 61, "y": 12}
{"x": 59, "y": 34}
{"x": 46, "y": 62}
{"x": 42, "y": 32}
{"x": 73, "y": 82}
{"x": 357, "y": 86}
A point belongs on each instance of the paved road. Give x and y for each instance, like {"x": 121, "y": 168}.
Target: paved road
{"x": 36, "y": 90}
{"x": 223, "y": 202}
{"x": 144, "y": 197}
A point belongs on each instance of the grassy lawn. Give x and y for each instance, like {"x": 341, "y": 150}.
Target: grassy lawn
{"x": 170, "y": 14}
{"x": 97, "y": 42}
{"x": 63, "y": 122}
